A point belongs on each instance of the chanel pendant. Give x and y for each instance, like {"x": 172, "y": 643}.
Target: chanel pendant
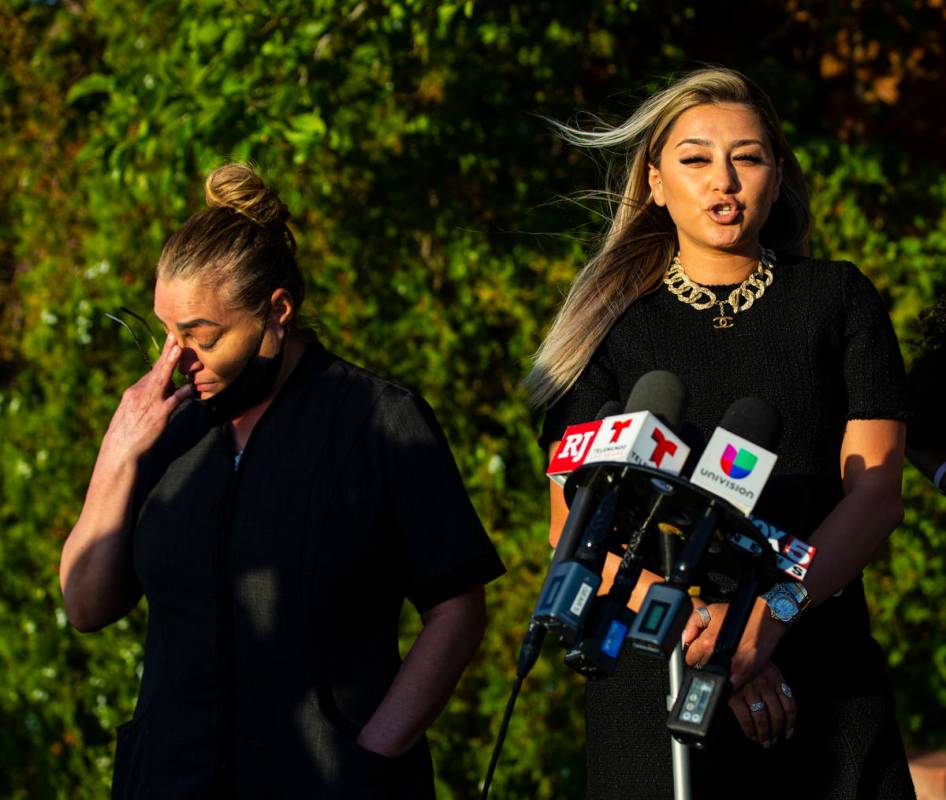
{"x": 723, "y": 320}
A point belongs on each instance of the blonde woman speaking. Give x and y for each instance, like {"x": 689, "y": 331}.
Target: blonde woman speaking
{"x": 704, "y": 273}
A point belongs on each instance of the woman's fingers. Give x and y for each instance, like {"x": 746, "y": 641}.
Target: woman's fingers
{"x": 789, "y": 706}
{"x": 765, "y": 708}
{"x": 740, "y": 709}
{"x": 169, "y": 343}
{"x": 164, "y": 367}
{"x": 706, "y": 622}
{"x": 145, "y": 407}
{"x": 699, "y": 650}
{"x": 179, "y": 396}
{"x": 758, "y": 706}
{"x": 698, "y": 622}
{"x": 783, "y": 710}
{"x": 769, "y": 722}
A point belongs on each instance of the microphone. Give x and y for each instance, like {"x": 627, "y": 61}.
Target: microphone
{"x": 584, "y": 488}
{"x": 578, "y": 513}
{"x": 734, "y": 467}
{"x": 586, "y": 491}
{"x": 596, "y": 652}
{"x": 575, "y": 443}
{"x": 639, "y": 436}
{"x": 644, "y": 434}
{"x": 738, "y": 458}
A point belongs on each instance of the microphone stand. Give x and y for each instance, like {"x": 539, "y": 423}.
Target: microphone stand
{"x": 679, "y": 752}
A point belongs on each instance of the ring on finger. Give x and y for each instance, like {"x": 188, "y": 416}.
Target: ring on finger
{"x": 757, "y": 706}
{"x": 704, "y": 615}
{"x": 786, "y": 690}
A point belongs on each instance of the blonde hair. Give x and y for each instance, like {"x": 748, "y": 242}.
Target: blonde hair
{"x": 241, "y": 243}
{"x": 641, "y": 239}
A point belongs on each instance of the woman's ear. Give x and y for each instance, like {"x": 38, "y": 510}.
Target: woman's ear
{"x": 656, "y": 185}
{"x": 282, "y": 309}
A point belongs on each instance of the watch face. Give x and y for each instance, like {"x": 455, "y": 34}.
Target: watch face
{"x": 783, "y": 608}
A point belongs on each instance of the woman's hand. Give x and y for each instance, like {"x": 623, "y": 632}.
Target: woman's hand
{"x": 95, "y": 571}
{"x": 700, "y": 622}
{"x": 759, "y": 640}
{"x": 145, "y": 407}
{"x": 699, "y": 635}
{"x": 765, "y": 707}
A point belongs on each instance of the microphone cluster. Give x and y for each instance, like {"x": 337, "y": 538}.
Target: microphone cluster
{"x": 624, "y": 482}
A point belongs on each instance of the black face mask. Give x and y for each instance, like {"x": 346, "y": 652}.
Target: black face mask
{"x": 250, "y": 387}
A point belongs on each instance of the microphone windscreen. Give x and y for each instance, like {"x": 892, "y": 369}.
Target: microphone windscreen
{"x": 609, "y": 409}
{"x": 662, "y": 394}
{"x": 755, "y": 420}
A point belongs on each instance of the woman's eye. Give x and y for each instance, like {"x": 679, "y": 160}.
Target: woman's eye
{"x": 752, "y": 158}
{"x": 694, "y": 160}
{"x": 205, "y": 346}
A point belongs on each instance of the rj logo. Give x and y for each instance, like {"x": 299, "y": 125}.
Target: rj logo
{"x": 575, "y": 445}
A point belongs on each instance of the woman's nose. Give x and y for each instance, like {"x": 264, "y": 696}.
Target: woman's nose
{"x": 188, "y": 362}
{"x": 724, "y": 177}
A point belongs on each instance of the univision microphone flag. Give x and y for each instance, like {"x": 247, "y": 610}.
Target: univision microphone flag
{"x": 734, "y": 469}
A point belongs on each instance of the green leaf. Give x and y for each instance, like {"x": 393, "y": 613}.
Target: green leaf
{"x": 91, "y": 84}
{"x": 209, "y": 32}
{"x": 306, "y": 127}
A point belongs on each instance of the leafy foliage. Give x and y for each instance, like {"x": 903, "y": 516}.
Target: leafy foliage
{"x": 408, "y": 139}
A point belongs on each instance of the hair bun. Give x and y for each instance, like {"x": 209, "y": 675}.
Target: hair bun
{"x": 238, "y": 187}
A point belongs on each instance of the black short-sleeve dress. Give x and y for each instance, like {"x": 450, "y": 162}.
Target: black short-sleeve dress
{"x": 819, "y": 347}
{"x": 275, "y": 583}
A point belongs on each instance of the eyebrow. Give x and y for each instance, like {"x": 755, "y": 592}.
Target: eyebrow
{"x": 197, "y": 323}
{"x": 193, "y": 323}
{"x": 708, "y": 143}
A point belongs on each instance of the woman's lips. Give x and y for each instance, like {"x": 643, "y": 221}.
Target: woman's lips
{"x": 204, "y": 387}
{"x": 725, "y": 213}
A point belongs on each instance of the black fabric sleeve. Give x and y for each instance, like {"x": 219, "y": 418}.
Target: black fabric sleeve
{"x": 873, "y": 367}
{"x": 595, "y": 386}
{"x": 446, "y": 550}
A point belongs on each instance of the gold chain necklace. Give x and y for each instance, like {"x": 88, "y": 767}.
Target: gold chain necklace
{"x": 701, "y": 297}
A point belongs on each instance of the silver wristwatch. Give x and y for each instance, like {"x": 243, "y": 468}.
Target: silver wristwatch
{"x": 787, "y": 601}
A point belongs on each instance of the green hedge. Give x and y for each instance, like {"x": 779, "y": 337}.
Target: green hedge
{"x": 408, "y": 139}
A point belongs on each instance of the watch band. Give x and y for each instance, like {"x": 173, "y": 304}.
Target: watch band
{"x": 799, "y": 592}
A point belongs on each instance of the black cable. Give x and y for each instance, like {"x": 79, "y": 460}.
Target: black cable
{"x": 497, "y": 748}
